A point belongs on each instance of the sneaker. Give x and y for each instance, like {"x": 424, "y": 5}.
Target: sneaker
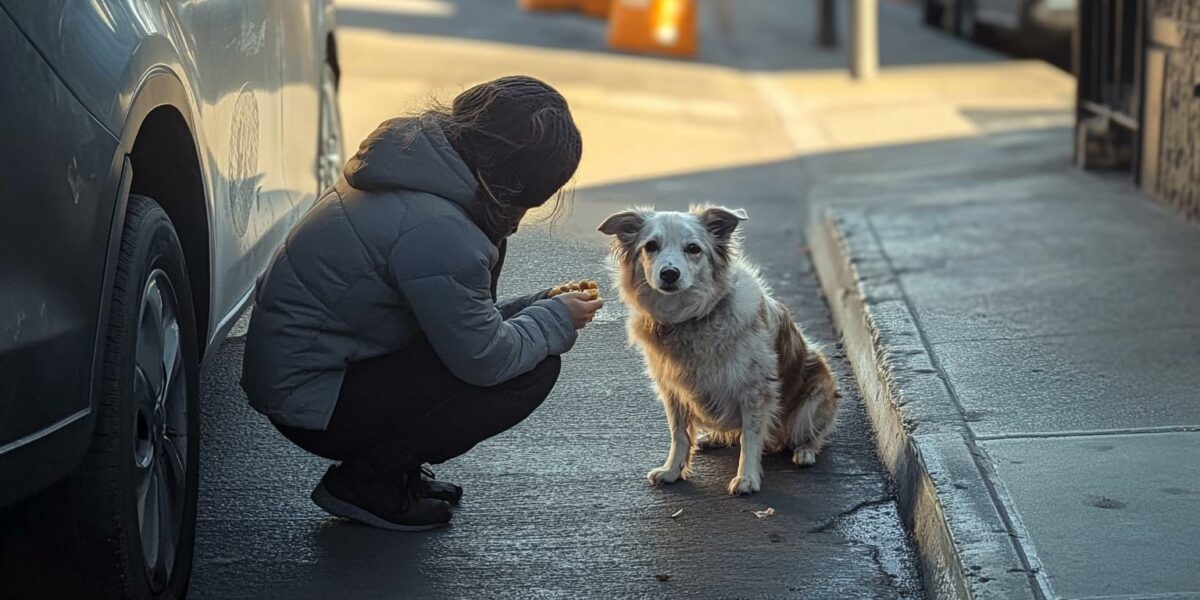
{"x": 356, "y": 493}
{"x": 439, "y": 490}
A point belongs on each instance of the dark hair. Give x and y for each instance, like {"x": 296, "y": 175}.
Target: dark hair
{"x": 518, "y": 137}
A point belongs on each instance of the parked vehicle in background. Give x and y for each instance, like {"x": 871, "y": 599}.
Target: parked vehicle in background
{"x": 153, "y": 155}
{"x": 1034, "y": 21}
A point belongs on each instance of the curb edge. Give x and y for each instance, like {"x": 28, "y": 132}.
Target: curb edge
{"x": 964, "y": 548}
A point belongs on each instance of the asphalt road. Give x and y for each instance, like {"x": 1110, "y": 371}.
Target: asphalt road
{"x": 559, "y": 506}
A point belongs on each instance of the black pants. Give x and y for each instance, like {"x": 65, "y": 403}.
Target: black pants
{"x": 406, "y": 408}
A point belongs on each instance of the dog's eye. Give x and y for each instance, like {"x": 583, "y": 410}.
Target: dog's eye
{"x": 652, "y": 246}
{"x": 693, "y": 248}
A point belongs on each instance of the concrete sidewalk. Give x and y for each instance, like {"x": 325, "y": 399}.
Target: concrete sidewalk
{"x": 559, "y": 506}
{"x": 1026, "y": 341}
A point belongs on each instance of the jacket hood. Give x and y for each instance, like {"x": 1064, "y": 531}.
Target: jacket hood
{"x": 412, "y": 153}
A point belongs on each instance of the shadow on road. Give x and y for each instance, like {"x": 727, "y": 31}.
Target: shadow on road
{"x": 559, "y": 504}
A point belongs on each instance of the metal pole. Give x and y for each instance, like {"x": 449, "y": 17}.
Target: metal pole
{"x": 827, "y": 23}
{"x": 864, "y": 33}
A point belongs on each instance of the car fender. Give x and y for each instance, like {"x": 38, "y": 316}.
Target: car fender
{"x": 160, "y": 86}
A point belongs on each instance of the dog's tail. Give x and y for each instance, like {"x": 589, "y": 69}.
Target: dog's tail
{"x": 809, "y": 390}
{"x": 817, "y": 417}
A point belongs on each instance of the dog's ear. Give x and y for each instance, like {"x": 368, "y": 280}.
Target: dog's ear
{"x": 625, "y": 225}
{"x": 721, "y": 221}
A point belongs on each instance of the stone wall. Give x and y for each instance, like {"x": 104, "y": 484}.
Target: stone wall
{"x": 1177, "y": 178}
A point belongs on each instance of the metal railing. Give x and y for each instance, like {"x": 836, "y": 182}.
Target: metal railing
{"x": 1108, "y": 60}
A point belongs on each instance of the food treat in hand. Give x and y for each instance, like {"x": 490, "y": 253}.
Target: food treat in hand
{"x": 587, "y": 286}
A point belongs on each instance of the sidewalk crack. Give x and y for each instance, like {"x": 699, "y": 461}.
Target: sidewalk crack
{"x": 849, "y": 512}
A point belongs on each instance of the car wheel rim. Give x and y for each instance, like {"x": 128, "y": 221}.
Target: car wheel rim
{"x": 330, "y": 160}
{"x": 160, "y": 444}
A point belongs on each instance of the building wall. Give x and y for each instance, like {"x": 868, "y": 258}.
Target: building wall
{"x": 1175, "y": 32}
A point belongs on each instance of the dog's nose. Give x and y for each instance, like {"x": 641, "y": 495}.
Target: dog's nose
{"x": 669, "y": 274}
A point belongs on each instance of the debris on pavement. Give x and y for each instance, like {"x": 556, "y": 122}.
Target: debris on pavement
{"x": 762, "y": 514}
{"x": 677, "y": 513}
{"x": 662, "y": 577}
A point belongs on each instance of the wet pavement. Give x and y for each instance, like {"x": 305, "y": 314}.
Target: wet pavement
{"x": 559, "y": 506}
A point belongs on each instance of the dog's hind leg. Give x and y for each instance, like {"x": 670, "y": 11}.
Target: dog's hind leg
{"x": 679, "y": 457}
{"x": 815, "y": 420}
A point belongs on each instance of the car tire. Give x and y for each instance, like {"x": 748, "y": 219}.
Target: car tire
{"x": 95, "y": 534}
{"x": 932, "y": 13}
{"x": 330, "y": 148}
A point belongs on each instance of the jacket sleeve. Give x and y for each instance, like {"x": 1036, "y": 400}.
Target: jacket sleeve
{"x": 453, "y": 305}
{"x": 510, "y": 307}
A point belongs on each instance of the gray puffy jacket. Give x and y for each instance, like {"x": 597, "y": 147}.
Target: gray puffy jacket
{"x": 388, "y": 254}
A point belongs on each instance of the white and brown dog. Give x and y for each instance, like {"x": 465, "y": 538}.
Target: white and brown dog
{"x": 729, "y": 363}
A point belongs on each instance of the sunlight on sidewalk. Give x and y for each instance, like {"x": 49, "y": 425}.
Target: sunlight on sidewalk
{"x": 425, "y": 8}
{"x": 640, "y": 118}
{"x": 829, "y": 111}
{"x": 651, "y": 118}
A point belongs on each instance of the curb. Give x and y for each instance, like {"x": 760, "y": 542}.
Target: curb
{"x": 965, "y": 542}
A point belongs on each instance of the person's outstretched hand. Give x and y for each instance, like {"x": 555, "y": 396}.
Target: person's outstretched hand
{"x": 581, "y": 307}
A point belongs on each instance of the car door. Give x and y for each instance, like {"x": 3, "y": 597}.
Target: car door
{"x": 235, "y": 49}
{"x": 58, "y": 187}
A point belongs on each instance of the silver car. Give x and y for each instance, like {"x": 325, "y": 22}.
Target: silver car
{"x": 1044, "y": 18}
{"x": 153, "y": 155}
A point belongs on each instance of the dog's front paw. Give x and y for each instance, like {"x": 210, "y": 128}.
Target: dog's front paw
{"x": 663, "y": 475}
{"x": 744, "y": 484}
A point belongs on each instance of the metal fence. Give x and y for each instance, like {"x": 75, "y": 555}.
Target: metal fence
{"x": 1109, "y": 65}
{"x": 1109, "y": 60}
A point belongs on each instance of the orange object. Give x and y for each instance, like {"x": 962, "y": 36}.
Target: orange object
{"x": 548, "y": 4}
{"x": 659, "y": 26}
{"x": 596, "y": 8}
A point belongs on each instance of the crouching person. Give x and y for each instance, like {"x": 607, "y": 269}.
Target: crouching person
{"x": 376, "y": 339}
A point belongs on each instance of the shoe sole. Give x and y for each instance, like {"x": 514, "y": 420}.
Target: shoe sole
{"x": 340, "y": 508}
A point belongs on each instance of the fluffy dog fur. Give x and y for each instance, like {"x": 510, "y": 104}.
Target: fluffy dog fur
{"x": 728, "y": 361}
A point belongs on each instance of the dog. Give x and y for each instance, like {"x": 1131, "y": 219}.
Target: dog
{"x": 728, "y": 361}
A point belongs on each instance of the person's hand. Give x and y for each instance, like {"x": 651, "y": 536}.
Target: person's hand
{"x": 581, "y": 307}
